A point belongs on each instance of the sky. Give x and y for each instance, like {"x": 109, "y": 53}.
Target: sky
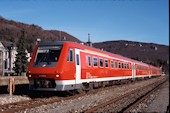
{"x": 105, "y": 20}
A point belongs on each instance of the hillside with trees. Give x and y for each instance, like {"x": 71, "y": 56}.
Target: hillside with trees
{"x": 150, "y": 53}
{"x": 12, "y": 31}
{"x": 154, "y": 54}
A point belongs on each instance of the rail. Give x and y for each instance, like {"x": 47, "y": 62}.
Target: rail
{"x": 129, "y": 97}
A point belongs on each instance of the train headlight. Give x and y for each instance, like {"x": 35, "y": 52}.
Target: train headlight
{"x": 57, "y": 75}
{"x": 29, "y": 76}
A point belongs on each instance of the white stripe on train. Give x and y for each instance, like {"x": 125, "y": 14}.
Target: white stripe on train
{"x": 69, "y": 82}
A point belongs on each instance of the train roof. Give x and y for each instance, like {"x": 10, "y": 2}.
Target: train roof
{"x": 50, "y": 43}
{"x": 82, "y": 46}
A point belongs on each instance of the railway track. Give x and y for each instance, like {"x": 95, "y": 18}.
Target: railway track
{"x": 14, "y": 107}
{"x": 124, "y": 103}
{"x": 21, "y": 106}
{"x": 141, "y": 99}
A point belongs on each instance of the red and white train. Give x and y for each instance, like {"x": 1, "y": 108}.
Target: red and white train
{"x": 63, "y": 66}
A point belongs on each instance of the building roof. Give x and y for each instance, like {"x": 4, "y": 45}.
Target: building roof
{"x": 7, "y": 44}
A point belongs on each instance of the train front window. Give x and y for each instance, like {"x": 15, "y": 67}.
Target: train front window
{"x": 47, "y": 56}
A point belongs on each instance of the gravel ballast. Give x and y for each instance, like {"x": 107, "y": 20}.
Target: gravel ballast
{"x": 6, "y": 99}
{"x": 161, "y": 101}
{"x": 79, "y": 104}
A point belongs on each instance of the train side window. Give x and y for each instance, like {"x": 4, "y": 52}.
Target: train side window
{"x": 136, "y": 67}
{"x": 119, "y": 65}
{"x": 122, "y": 65}
{"x": 115, "y": 64}
{"x": 89, "y": 60}
{"x": 95, "y": 63}
{"x": 77, "y": 59}
{"x": 125, "y": 66}
{"x": 101, "y": 62}
{"x": 106, "y": 64}
{"x": 112, "y": 64}
{"x": 129, "y": 66}
{"x": 70, "y": 56}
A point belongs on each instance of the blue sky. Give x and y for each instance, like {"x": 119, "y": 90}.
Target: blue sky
{"x": 106, "y": 20}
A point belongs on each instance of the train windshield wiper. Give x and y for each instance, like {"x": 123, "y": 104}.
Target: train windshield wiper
{"x": 47, "y": 55}
{"x": 41, "y": 57}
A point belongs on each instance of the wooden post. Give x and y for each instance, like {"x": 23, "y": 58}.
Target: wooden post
{"x": 11, "y": 86}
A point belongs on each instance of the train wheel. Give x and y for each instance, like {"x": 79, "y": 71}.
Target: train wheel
{"x": 91, "y": 86}
{"x": 82, "y": 89}
{"x": 71, "y": 92}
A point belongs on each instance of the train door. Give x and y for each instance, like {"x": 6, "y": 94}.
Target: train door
{"x": 78, "y": 67}
{"x": 133, "y": 70}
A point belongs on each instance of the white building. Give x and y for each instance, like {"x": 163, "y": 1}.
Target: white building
{"x": 8, "y": 53}
{"x": 1, "y": 63}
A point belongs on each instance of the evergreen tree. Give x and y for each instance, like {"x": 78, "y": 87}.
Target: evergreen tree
{"x": 21, "y": 59}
